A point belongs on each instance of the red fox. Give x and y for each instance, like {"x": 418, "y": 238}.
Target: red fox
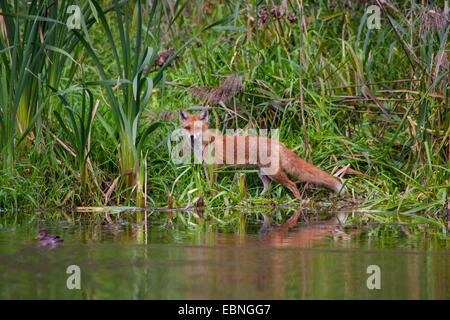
{"x": 269, "y": 156}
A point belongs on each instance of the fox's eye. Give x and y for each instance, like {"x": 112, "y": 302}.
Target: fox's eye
{"x": 187, "y": 128}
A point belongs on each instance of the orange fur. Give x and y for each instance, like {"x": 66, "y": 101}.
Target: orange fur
{"x": 258, "y": 152}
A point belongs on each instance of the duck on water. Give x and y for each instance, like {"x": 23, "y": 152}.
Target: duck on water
{"x": 45, "y": 239}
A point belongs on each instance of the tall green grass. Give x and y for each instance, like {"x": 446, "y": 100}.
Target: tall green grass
{"x": 341, "y": 93}
{"x": 368, "y": 104}
{"x": 35, "y": 49}
{"x": 80, "y": 132}
{"x": 134, "y": 55}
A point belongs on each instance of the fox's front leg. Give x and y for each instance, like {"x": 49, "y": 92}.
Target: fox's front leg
{"x": 205, "y": 167}
{"x": 207, "y": 173}
{"x": 208, "y": 178}
{"x": 281, "y": 178}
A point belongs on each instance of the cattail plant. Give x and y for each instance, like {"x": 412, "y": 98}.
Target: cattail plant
{"x": 133, "y": 56}
{"x": 79, "y": 133}
{"x": 35, "y": 46}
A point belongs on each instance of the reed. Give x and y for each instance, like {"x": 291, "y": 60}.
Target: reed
{"x": 368, "y": 105}
{"x": 35, "y": 48}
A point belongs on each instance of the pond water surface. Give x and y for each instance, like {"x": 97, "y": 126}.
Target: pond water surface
{"x": 298, "y": 260}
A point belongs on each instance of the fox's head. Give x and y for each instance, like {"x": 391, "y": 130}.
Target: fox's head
{"x": 194, "y": 124}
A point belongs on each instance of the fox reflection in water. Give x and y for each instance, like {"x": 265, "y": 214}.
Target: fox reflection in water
{"x": 304, "y": 235}
{"x": 266, "y": 269}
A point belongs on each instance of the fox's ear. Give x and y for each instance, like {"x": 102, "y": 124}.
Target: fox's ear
{"x": 204, "y": 115}
{"x": 183, "y": 114}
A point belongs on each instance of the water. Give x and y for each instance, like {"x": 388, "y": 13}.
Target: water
{"x": 315, "y": 260}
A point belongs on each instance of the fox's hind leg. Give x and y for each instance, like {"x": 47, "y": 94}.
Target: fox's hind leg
{"x": 282, "y": 178}
{"x": 266, "y": 182}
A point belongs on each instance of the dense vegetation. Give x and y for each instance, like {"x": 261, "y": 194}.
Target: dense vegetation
{"x": 86, "y": 114}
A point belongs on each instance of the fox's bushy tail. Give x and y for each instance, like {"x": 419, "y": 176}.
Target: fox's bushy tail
{"x": 306, "y": 172}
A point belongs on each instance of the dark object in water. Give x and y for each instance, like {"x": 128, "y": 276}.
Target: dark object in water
{"x": 45, "y": 239}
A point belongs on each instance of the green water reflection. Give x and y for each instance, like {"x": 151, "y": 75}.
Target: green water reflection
{"x": 318, "y": 260}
